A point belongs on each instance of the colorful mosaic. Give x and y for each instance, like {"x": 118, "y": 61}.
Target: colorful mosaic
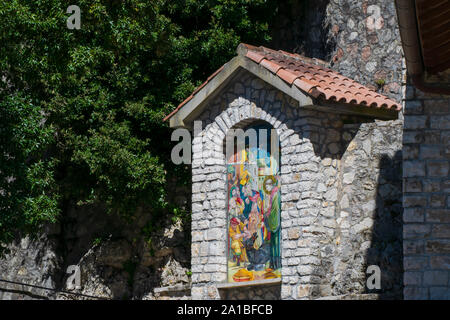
{"x": 253, "y": 216}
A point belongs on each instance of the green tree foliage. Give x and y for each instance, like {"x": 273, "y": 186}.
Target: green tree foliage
{"x": 28, "y": 194}
{"x": 103, "y": 91}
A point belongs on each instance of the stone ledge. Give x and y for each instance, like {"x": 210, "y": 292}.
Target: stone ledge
{"x": 233, "y": 285}
{"x": 175, "y": 288}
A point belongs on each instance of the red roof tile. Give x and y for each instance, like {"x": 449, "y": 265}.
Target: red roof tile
{"x": 311, "y": 76}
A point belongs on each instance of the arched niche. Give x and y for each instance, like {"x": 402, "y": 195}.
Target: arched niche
{"x": 253, "y": 207}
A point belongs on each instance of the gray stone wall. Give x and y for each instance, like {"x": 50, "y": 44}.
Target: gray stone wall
{"x": 359, "y": 38}
{"x": 330, "y": 201}
{"x": 368, "y": 46}
{"x": 426, "y": 175}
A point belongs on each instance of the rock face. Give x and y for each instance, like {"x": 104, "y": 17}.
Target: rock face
{"x": 115, "y": 260}
{"x": 301, "y": 27}
{"x": 32, "y": 261}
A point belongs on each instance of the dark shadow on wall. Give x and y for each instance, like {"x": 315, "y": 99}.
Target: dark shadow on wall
{"x": 301, "y": 27}
{"x": 385, "y": 238}
{"x": 386, "y": 249}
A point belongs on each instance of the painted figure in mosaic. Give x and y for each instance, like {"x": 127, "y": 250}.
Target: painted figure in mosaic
{"x": 254, "y": 226}
{"x": 231, "y": 177}
{"x": 250, "y": 196}
{"x": 257, "y": 250}
{"x": 235, "y": 204}
{"x": 246, "y": 194}
{"x": 272, "y": 220}
{"x": 236, "y": 234}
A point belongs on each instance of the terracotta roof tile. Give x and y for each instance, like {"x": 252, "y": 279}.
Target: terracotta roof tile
{"x": 311, "y": 76}
{"x": 287, "y": 75}
{"x": 271, "y": 66}
{"x": 254, "y": 56}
